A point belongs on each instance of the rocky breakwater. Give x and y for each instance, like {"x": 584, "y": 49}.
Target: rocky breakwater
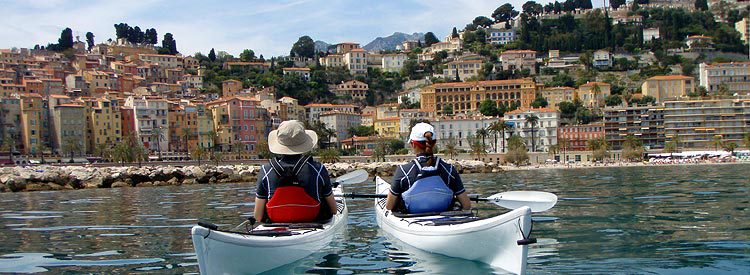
{"x": 40, "y": 178}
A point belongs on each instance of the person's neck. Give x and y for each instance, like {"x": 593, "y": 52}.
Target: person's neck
{"x": 290, "y": 157}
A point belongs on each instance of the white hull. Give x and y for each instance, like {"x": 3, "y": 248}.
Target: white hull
{"x": 491, "y": 240}
{"x": 230, "y": 253}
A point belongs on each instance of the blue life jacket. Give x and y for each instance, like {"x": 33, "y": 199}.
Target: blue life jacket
{"x": 428, "y": 193}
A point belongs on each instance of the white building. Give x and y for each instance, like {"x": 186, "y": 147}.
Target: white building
{"x": 340, "y": 122}
{"x": 356, "y": 61}
{"x": 743, "y": 27}
{"x": 314, "y": 110}
{"x": 602, "y": 59}
{"x": 735, "y": 75}
{"x": 393, "y": 62}
{"x": 519, "y": 60}
{"x": 463, "y": 68}
{"x": 460, "y": 128}
{"x": 650, "y": 34}
{"x": 545, "y": 131}
{"x": 303, "y": 73}
{"x": 150, "y": 113}
{"x": 501, "y": 36}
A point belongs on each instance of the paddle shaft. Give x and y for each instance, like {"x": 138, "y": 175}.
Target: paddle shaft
{"x": 383, "y": 196}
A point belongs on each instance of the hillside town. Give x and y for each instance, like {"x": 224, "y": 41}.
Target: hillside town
{"x": 502, "y": 88}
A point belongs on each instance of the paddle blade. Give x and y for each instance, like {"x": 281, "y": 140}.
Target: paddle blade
{"x": 536, "y": 200}
{"x": 355, "y": 176}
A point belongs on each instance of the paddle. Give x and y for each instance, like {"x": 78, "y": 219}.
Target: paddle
{"x": 352, "y": 177}
{"x": 538, "y": 201}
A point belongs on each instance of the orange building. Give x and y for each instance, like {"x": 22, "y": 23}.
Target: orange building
{"x": 465, "y": 97}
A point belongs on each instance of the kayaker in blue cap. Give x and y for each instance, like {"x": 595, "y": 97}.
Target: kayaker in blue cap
{"x": 427, "y": 183}
{"x": 293, "y": 188}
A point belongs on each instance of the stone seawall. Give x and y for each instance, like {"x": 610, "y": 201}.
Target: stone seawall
{"x": 45, "y": 177}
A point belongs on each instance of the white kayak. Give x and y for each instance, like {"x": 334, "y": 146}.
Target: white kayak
{"x": 459, "y": 234}
{"x": 222, "y": 252}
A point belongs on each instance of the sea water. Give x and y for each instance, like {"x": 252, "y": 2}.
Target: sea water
{"x": 653, "y": 220}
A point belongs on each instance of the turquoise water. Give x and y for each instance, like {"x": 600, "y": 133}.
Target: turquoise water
{"x": 644, "y": 220}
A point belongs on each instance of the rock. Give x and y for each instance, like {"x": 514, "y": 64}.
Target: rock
{"x": 159, "y": 183}
{"x": 144, "y": 184}
{"x": 212, "y": 180}
{"x": 95, "y": 182}
{"x": 119, "y": 184}
{"x": 173, "y": 181}
{"x": 37, "y": 187}
{"x": 55, "y": 186}
{"x": 15, "y": 184}
{"x": 188, "y": 181}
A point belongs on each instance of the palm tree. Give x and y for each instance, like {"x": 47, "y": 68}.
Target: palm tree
{"x": 533, "y": 120}
{"x": 718, "y": 142}
{"x": 564, "y": 145}
{"x": 330, "y": 155}
{"x": 746, "y": 140}
{"x": 71, "y": 146}
{"x": 237, "y": 148}
{"x": 198, "y": 153}
{"x": 483, "y": 133}
{"x": 494, "y": 129}
{"x": 40, "y": 148}
{"x": 186, "y": 134}
{"x": 451, "y": 148}
{"x": 159, "y": 134}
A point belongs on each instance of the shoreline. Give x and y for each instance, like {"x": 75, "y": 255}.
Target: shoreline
{"x": 51, "y": 178}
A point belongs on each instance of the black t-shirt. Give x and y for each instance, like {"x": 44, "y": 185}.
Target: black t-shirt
{"x": 313, "y": 177}
{"x": 406, "y": 175}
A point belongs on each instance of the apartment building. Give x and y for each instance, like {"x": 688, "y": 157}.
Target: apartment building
{"x": 666, "y": 87}
{"x": 151, "y": 121}
{"x": 500, "y": 36}
{"x": 735, "y": 76}
{"x": 465, "y": 97}
{"x": 518, "y": 60}
{"x": 461, "y": 128}
{"x": 69, "y": 122}
{"x": 230, "y": 87}
{"x": 544, "y": 132}
{"x": 393, "y": 62}
{"x": 354, "y": 89}
{"x": 389, "y": 127}
{"x": 578, "y": 135}
{"x": 165, "y": 61}
{"x": 698, "y": 123}
{"x": 340, "y": 122}
{"x": 645, "y": 123}
{"x": 303, "y": 73}
{"x": 240, "y": 121}
{"x": 356, "y": 61}
{"x": 463, "y": 69}
{"x": 313, "y": 110}
{"x": 592, "y": 94}
{"x": 555, "y": 95}
{"x": 332, "y": 60}
{"x": 31, "y": 123}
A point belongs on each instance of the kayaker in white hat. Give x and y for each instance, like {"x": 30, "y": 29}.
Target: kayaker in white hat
{"x": 427, "y": 183}
{"x": 293, "y": 187}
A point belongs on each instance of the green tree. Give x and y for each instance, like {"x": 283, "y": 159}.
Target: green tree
{"x": 157, "y": 134}
{"x": 504, "y": 13}
{"x": 330, "y": 155}
{"x": 40, "y": 149}
{"x": 304, "y": 47}
{"x": 451, "y": 147}
{"x": 499, "y": 127}
{"x": 448, "y": 110}
{"x": 746, "y": 140}
{"x": 186, "y": 134}
{"x": 90, "y": 40}
{"x": 616, "y": 3}
{"x": 482, "y": 21}
{"x": 198, "y": 153}
{"x": 701, "y": 5}
{"x": 730, "y": 147}
{"x": 483, "y": 134}
{"x": 247, "y": 55}
{"x": 532, "y": 120}
{"x": 169, "y": 44}
{"x": 539, "y": 102}
{"x": 454, "y": 33}
{"x": 151, "y": 36}
{"x": 71, "y": 146}
{"x": 718, "y": 142}
{"x": 65, "y": 41}
{"x": 361, "y": 131}
{"x": 632, "y": 148}
{"x": 263, "y": 151}
{"x": 488, "y": 108}
{"x": 599, "y": 147}
{"x": 613, "y": 100}
{"x": 516, "y": 151}
{"x": 477, "y": 147}
{"x": 212, "y": 55}
{"x": 429, "y": 39}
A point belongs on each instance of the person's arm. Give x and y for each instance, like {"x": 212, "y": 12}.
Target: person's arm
{"x": 395, "y": 191}
{"x": 331, "y": 200}
{"x": 463, "y": 198}
{"x": 261, "y": 196}
{"x": 391, "y": 201}
{"x": 260, "y": 208}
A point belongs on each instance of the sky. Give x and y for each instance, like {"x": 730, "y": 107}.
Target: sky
{"x": 267, "y": 27}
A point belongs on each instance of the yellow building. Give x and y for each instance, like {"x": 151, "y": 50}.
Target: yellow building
{"x": 103, "y": 122}
{"x": 664, "y": 87}
{"x": 592, "y": 94}
{"x": 205, "y": 122}
{"x": 465, "y": 97}
{"x": 31, "y": 119}
{"x": 388, "y": 127}
{"x": 555, "y": 95}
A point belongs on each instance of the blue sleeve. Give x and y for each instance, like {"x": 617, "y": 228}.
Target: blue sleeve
{"x": 397, "y": 186}
{"x": 261, "y": 190}
{"x": 327, "y": 188}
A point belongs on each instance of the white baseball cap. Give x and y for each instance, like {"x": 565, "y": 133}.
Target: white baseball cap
{"x": 418, "y": 131}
